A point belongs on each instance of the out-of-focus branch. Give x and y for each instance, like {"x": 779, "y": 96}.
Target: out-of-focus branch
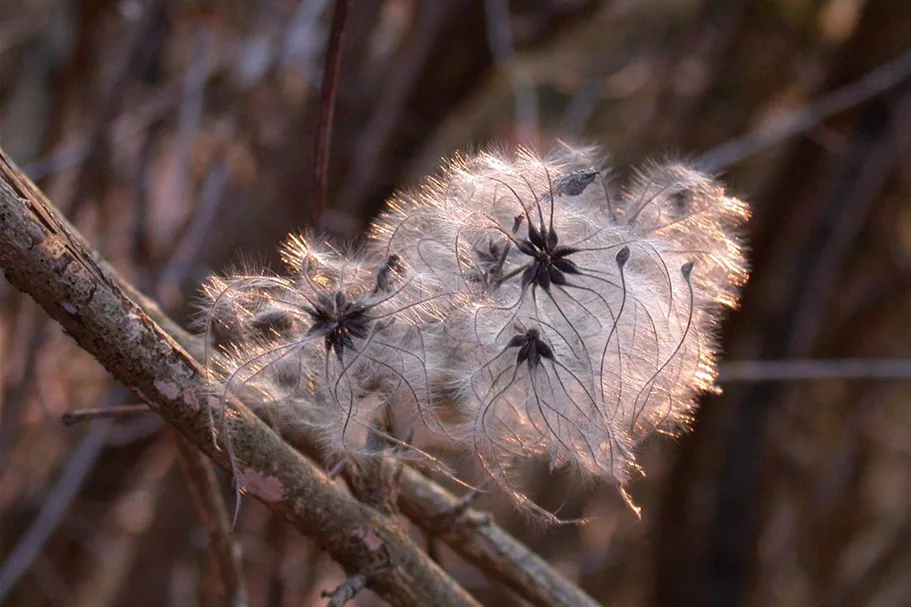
{"x": 56, "y": 502}
{"x": 809, "y": 369}
{"x": 328, "y": 93}
{"x": 46, "y": 259}
{"x": 226, "y": 555}
{"x": 118, "y": 542}
{"x": 99, "y": 141}
{"x": 71, "y": 418}
{"x": 799, "y": 121}
{"x": 499, "y": 38}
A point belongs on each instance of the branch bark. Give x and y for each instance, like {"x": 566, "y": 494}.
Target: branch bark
{"x": 478, "y": 540}
{"x": 429, "y": 505}
{"x": 45, "y": 258}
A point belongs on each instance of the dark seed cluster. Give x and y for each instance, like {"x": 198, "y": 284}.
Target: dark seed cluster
{"x": 551, "y": 261}
{"x": 337, "y": 320}
{"x": 531, "y": 348}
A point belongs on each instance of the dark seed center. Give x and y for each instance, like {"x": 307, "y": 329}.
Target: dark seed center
{"x": 339, "y": 320}
{"x": 531, "y": 348}
{"x": 551, "y": 261}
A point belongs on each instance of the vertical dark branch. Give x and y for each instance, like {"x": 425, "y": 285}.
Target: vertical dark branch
{"x": 328, "y": 90}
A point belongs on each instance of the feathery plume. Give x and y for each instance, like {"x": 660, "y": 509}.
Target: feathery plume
{"x": 333, "y": 348}
{"x": 592, "y": 314}
{"x": 516, "y": 306}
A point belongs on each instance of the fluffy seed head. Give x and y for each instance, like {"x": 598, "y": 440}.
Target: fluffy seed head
{"x": 333, "y": 347}
{"x": 516, "y": 306}
{"x": 592, "y": 319}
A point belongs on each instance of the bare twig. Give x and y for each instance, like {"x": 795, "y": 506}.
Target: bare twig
{"x": 47, "y": 259}
{"x": 802, "y": 120}
{"x": 328, "y": 93}
{"x": 483, "y": 543}
{"x": 346, "y": 591}
{"x": 71, "y": 418}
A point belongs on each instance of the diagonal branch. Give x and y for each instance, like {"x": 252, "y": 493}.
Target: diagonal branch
{"x": 478, "y": 540}
{"x": 486, "y": 545}
{"x": 45, "y": 258}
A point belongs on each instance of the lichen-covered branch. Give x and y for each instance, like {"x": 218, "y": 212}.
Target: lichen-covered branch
{"x": 487, "y": 546}
{"x": 47, "y": 260}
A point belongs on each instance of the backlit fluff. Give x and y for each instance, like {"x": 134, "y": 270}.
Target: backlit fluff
{"x": 333, "y": 348}
{"x": 516, "y": 307}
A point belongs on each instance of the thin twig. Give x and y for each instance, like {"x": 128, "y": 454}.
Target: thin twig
{"x": 328, "y": 93}
{"x": 71, "y": 418}
{"x": 802, "y": 120}
{"x": 46, "y": 258}
{"x": 346, "y": 591}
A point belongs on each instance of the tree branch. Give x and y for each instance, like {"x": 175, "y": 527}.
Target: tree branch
{"x": 45, "y": 258}
{"x": 478, "y": 540}
{"x": 226, "y": 557}
{"x": 429, "y": 505}
{"x": 328, "y": 93}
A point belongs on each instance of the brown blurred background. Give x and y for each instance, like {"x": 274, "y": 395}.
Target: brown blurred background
{"x": 179, "y": 135}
